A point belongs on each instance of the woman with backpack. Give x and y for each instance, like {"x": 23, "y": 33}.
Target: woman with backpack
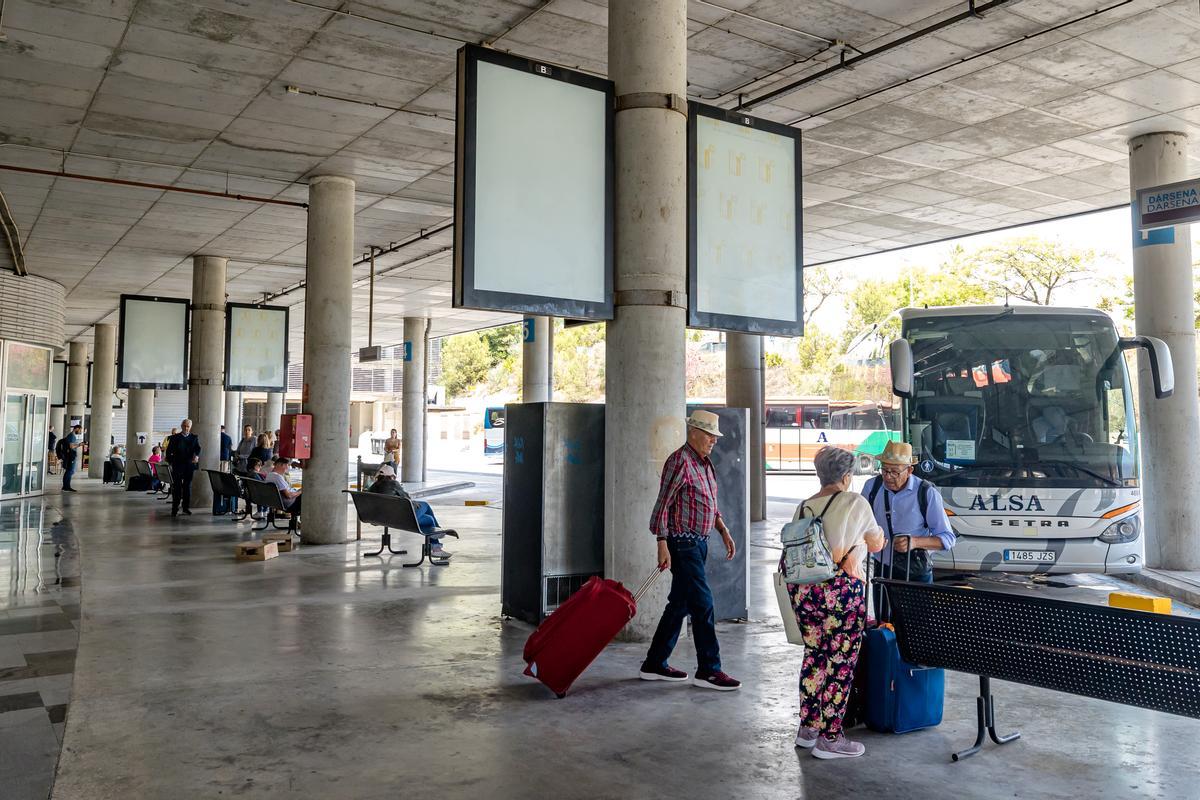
{"x": 832, "y": 613}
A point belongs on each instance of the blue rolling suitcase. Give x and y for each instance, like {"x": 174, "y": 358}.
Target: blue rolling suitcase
{"x": 900, "y": 697}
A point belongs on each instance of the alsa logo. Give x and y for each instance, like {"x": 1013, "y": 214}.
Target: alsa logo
{"x": 1014, "y": 502}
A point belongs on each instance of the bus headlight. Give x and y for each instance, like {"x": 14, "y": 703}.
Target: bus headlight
{"x": 1123, "y": 530}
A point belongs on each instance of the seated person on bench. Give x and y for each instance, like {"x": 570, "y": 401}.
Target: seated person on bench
{"x": 278, "y": 476}
{"x": 386, "y": 483}
{"x": 155, "y": 457}
{"x": 118, "y": 464}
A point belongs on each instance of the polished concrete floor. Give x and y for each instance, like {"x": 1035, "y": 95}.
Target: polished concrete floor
{"x": 325, "y": 674}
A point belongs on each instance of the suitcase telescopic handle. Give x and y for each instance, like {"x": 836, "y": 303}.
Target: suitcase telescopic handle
{"x": 646, "y": 584}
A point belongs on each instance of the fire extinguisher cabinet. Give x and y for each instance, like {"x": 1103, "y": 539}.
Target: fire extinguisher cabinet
{"x": 295, "y": 436}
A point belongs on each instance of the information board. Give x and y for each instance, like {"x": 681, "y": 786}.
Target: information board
{"x": 256, "y": 348}
{"x": 152, "y": 348}
{"x": 58, "y": 384}
{"x": 1167, "y": 205}
{"x": 745, "y": 251}
{"x": 534, "y": 187}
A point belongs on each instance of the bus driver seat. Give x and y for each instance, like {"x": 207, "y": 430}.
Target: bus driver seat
{"x": 1050, "y": 425}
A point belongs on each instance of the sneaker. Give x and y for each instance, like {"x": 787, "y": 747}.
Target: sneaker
{"x": 716, "y": 680}
{"x": 185, "y": 511}
{"x": 258, "y": 517}
{"x": 807, "y": 737}
{"x": 439, "y": 553}
{"x": 667, "y": 673}
{"x": 70, "y": 490}
{"x": 841, "y": 747}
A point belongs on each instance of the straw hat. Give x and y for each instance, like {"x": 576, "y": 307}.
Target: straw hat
{"x": 897, "y": 453}
{"x": 706, "y": 421}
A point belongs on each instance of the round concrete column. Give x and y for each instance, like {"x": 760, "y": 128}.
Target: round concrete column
{"x": 644, "y": 385}
{"x": 744, "y": 389}
{"x": 140, "y": 418}
{"x": 412, "y": 414}
{"x": 537, "y": 360}
{"x": 233, "y": 415}
{"x": 274, "y": 411}
{"x": 206, "y": 370}
{"x": 104, "y": 382}
{"x": 77, "y": 361}
{"x": 327, "y": 310}
{"x": 1163, "y": 302}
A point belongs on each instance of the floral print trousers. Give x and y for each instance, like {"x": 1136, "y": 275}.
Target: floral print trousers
{"x": 832, "y": 616}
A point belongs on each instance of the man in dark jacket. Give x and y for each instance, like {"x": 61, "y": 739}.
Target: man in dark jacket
{"x": 386, "y": 483}
{"x": 226, "y": 449}
{"x": 183, "y": 454}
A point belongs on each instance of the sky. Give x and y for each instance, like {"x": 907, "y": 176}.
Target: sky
{"x": 1107, "y": 232}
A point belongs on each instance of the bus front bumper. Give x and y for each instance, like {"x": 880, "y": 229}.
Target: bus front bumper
{"x": 996, "y": 554}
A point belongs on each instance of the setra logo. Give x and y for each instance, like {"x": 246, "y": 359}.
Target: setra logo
{"x": 1014, "y": 502}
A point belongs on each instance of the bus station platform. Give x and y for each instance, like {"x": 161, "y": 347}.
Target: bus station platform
{"x": 326, "y": 674}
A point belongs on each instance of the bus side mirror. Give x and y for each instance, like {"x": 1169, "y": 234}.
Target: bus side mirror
{"x": 1161, "y": 367}
{"x": 901, "y": 358}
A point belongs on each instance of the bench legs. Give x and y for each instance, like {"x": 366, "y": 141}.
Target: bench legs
{"x": 387, "y": 543}
{"x": 986, "y": 711}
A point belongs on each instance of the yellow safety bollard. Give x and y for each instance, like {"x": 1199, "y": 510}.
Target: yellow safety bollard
{"x": 1140, "y": 602}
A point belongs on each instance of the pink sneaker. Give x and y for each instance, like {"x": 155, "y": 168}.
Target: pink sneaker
{"x": 807, "y": 737}
{"x": 841, "y": 747}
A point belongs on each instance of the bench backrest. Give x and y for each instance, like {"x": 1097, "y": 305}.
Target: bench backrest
{"x": 264, "y": 494}
{"x": 163, "y": 470}
{"x": 1130, "y": 657}
{"x": 385, "y": 509}
{"x": 142, "y": 467}
{"x": 223, "y": 483}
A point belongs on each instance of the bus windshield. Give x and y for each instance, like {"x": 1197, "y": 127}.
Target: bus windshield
{"x": 1024, "y": 399}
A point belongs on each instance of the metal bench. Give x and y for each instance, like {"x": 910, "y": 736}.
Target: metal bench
{"x": 166, "y": 479}
{"x": 396, "y": 512}
{"x": 141, "y": 469}
{"x": 1131, "y": 657}
{"x": 226, "y": 485}
{"x": 267, "y": 495}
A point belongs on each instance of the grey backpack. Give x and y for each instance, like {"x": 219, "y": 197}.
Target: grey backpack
{"x": 806, "y": 555}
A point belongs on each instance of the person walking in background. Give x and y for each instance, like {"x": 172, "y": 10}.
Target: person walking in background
{"x": 832, "y": 614}
{"x": 226, "y": 450}
{"x": 391, "y": 449}
{"x": 166, "y": 439}
{"x": 263, "y": 451}
{"x": 71, "y": 456}
{"x": 685, "y": 512}
{"x": 51, "y": 441}
{"x": 183, "y": 454}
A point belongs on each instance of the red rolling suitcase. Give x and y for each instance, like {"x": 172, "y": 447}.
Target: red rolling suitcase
{"x": 569, "y": 640}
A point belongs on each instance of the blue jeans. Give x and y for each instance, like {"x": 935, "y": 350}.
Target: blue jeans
{"x": 426, "y": 520}
{"x": 689, "y": 595}
{"x": 69, "y": 471}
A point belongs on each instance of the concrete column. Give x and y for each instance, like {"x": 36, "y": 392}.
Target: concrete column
{"x": 140, "y": 411}
{"x": 744, "y": 389}
{"x": 537, "y": 360}
{"x": 412, "y": 413}
{"x": 327, "y": 355}
{"x": 274, "y": 411}
{"x": 77, "y": 360}
{"x": 233, "y": 415}
{"x": 1163, "y": 303}
{"x": 206, "y": 378}
{"x": 647, "y": 52}
{"x": 104, "y": 382}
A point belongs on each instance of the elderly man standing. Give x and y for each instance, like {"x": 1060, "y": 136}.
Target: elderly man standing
{"x": 683, "y": 516}
{"x": 183, "y": 454}
{"x": 905, "y": 505}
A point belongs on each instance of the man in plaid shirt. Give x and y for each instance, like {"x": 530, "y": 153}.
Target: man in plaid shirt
{"x": 683, "y": 516}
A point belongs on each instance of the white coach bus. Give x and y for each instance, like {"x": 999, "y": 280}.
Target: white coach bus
{"x": 1023, "y": 417}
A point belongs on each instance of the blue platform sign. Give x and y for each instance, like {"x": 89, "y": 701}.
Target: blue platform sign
{"x": 529, "y": 333}
{"x": 408, "y": 351}
{"x": 1167, "y": 205}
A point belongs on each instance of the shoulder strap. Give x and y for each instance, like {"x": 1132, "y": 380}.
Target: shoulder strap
{"x": 923, "y": 491}
{"x": 876, "y": 482}
{"x": 825, "y": 510}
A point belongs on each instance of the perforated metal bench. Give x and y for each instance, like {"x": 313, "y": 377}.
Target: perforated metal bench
{"x": 396, "y": 512}
{"x": 1130, "y": 657}
{"x": 267, "y": 495}
{"x": 226, "y": 485}
{"x": 166, "y": 479}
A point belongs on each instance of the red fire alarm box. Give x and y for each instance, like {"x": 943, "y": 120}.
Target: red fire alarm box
{"x": 295, "y": 436}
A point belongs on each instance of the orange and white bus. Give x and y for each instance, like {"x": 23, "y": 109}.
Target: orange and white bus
{"x": 796, "y": 428}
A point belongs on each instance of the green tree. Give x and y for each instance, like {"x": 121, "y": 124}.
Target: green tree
{"x": 819, "y": 286}
{"x": 579, "y": 363}
{"x": 502, "y": 342}
{"x": 1029, "y": 268}
{"x": 466, "y": 361}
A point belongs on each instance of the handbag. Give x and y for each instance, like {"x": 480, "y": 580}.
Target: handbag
{"x": 790, "y": 626}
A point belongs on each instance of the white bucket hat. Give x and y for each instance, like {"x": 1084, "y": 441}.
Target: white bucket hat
{"x": 387, "y": 471}
{"x": 706, "y": 421}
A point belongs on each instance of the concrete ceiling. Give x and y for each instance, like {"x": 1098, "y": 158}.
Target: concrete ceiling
{"x": 195, "y": 93}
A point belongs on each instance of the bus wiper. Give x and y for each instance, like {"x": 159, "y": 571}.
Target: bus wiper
{"x": 1085, "y": 470}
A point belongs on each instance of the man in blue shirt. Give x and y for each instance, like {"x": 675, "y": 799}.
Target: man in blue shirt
{"x": 74, "y": 441}
{"x": 896, "y": 498}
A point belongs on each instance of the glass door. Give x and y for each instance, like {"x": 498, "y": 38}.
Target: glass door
{"x": 36, "y": 474}
{"x": 15, "y": 457}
